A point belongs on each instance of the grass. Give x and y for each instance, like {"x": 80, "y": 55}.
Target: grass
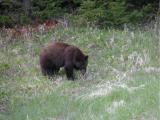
{"x": 122, "y": 81}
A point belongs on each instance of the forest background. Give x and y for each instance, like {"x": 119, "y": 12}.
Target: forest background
{"x": 102, "y": 13}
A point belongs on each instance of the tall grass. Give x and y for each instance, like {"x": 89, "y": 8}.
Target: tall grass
{"x": 122, "y": 80}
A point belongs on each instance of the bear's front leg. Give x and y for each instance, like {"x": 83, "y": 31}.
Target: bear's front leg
{"x": 69, "y": 73}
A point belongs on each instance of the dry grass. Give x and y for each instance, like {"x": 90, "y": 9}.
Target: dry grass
{"x": 121, "y": 81}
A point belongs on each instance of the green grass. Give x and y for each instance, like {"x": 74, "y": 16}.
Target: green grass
{"x": 117, "y": 85}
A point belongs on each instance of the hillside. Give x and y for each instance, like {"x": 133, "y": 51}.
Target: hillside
{"x": 121, "y": 83}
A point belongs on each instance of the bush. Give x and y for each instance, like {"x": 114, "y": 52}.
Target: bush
{"x": 6, "y": 21}
{"x": 24, "y": 20}
{"x": 93, "y": 12}
{"x": 113, "y": 13}
{"x": 90, "y": 12}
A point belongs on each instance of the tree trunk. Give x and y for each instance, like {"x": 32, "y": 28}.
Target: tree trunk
{"x": 27, "y": 7}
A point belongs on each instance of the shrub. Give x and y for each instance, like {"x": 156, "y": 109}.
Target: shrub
{"x": 6, "y": 21}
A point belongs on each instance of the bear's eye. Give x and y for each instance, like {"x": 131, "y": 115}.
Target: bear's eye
{"x": 81, "y": 63}
{"x": 78, "y": 60}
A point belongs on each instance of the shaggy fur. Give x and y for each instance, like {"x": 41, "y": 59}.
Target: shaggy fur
{"x": 58, "y": 54}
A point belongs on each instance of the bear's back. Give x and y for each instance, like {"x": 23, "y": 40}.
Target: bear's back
{"x": 54, "y": 52}
{"x": 54, "y": 49}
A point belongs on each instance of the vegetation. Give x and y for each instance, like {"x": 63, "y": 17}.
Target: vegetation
{"x": 100, "y": 12}
{"x": 122, "y": 81}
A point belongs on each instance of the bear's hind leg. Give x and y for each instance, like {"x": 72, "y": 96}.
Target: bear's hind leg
{"x": 50, "y": 71}
{"x": 47, "y": 72}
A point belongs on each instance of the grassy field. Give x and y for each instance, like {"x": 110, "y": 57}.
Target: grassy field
{"x": 122, "y": 81}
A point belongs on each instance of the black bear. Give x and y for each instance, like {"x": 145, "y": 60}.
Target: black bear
{"x": 59, "y": 54}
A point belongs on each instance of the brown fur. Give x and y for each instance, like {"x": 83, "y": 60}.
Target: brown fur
{"x": 58, "y": 54}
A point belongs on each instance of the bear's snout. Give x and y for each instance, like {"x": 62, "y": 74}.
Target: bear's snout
{"x": 83, "y": 71}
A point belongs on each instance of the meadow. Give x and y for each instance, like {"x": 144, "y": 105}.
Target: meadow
{"x": 122, "y": 80}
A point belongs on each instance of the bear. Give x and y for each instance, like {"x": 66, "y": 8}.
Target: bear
{"x": 59, "y": 54}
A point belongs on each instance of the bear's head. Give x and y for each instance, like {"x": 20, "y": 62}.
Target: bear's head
{"x": 81, "y": 63}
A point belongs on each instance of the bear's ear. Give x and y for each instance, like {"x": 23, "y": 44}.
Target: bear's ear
{"x": 86, "y": 57}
